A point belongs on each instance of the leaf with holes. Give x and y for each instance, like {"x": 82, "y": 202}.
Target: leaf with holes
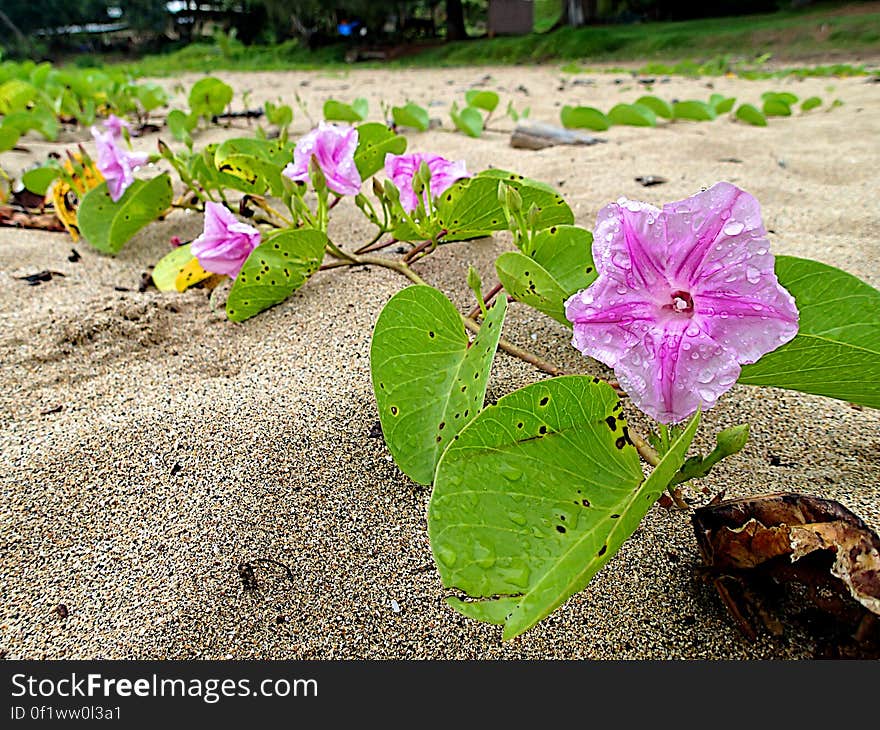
{"x": 375, "y": 140}
{"x": 470, "y": 208}
{"x": 485, "y": 100}
{"x": 836, "y": 352}
{"x": 429, "y": 380}
{"x": 274, "y": 270}
{"x": 411, "y": 115}
{"x": 584, "y": 117}
{"x": 258, "y": 162}
{"x": 535, "y": 496}
{"x": 108, "y": 226}
{"x": 557, "y": 263}
{"x": 165, "y": 272}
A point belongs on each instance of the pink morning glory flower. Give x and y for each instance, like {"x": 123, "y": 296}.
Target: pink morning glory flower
{"x": 116, "y": 164}
{"x": 115, "y": 125}
{"x": 333, "y": 146}
{"x": 401, "y": 168}
{"x": 225, "y": 243}
{"x": 684, "y": 296}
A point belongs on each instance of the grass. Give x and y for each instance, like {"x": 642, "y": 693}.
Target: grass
{"x": 787, "y": 36}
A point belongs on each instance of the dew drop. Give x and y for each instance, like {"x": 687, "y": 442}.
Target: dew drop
{"x": 447, "y": 555}
{"x": 517, "y": 518}
{"x": 707, "y": 396}
{"x": 753, "y": 274}
{"x": 705, "y": 376}
{"x": 733, "y": 228}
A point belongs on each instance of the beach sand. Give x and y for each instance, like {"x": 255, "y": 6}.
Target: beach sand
{"x": 150, "y": 448}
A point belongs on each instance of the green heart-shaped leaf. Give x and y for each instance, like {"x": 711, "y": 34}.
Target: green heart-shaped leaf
{"x": 696, "y": 111}
{"x": 536, "y": 495}
{"x": 634, "y": 115}
{"x": 485, "y": 100}
{"x": 584, "y": 117}
{"x": 411, "y": 115}
{"x": 274, "y": 270}
{"x": 429, "y": 380}
{"x": 108, "y": 226}
{"x": 209, "y": 97}
{"x": 750, "y": 115}
{"x": 836, "y": 352}
{"x": 467, "y": 120}
{"x": 338, "y": 111}
{"x": 657, "y": 105}
{"x": 811, "y": 103}
{"x": 774, "y": 107}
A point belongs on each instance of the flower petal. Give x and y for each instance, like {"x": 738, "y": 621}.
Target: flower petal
{"x": 670, "y": 374}
{"x": 629, "y": 244}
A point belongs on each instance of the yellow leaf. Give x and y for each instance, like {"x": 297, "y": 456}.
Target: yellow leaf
{"x": 191, "y": 273}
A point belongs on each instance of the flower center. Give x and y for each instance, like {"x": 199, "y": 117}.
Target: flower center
{"x": 682, "y": 303}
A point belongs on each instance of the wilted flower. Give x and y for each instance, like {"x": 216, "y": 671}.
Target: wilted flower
{"x": 685, "y": 295}
{"x": 225, "y": 243}
{"x": 117, "y": 165}
{"x": 333, "y": 147}
{"x": 115, "y": 125}
{"x": 401, "y": 169}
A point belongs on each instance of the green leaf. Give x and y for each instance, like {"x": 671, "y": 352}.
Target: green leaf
{"x": 470, "y": 208}
{"x": 836, "y": 352}
{"x": 528, "y": 282}
{"x": 485, "y": 100}
{"x": 697, "y": 111}
{"x": 557, "y": 264}
{"x": 258, "y": 162}
{"x": 776, "y": 108}
{"x": 428, "y": 379}
{"x": 750, "y": 115}
{"x": 812, "y": 103}
{"x": 375, "y": 140}
{"x": 274, "y": 270}
{"x": 536, "y": 495}
{"x": 209, "y": 97}
{"x": 411, "y": 115}
{"x": 337, "y": 111}
{"x": 166, "y": 270}
{"x": 38, "y": 179}
{"x": 9, "y": 137}
{"x": 151, "y": 96}
{"x": 15, "y": 95}
{"x": 584, "y": 117}
{"x": 722, "y": 104}
{"x": 728, "y": 442}
{"x": 660, "y": 107}
{"x": 181, "y": 125}
{"x": 634, "y": 115}
{"x": 108, "y": 226}
{"x": 467, "y": 120}
{"x": 785, "y": 97}
{"x": 281, "y": 115}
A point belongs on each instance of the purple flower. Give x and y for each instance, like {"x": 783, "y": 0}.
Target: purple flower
{"x": 333, "y": 146}
{"x": 225, "y": 243}
{"x": 685, "y": 295}
{"x": 401, "y": 168}
{"x": 114, "y": 125}
{"x": 116, "y": 164}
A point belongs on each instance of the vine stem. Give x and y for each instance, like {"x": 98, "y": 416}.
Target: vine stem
{"x": 487, "y": 299}
{"x": 346, "y": 259}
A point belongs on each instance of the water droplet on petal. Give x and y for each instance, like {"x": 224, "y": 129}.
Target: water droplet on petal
{"x": 706, "y": 395}
{"x": 753, "y": 274}
{"x": 733, "y": 228}
{"x": 705, "y": 376}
